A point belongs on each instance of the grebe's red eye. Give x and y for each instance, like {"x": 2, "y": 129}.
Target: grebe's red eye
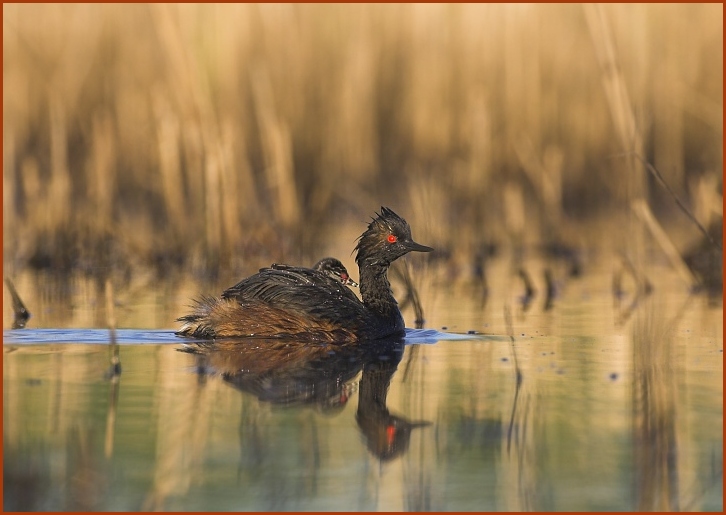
{"x": 390, "y": 434}
{"x": 344, "y": 276}
{"x": 392, "y": 238}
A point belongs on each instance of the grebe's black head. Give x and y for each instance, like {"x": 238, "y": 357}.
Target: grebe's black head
{"x": 335, "y": 269}
{"x": 388, "y": 238}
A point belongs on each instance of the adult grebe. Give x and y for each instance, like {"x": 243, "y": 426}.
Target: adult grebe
{"x": 308, "y": 304}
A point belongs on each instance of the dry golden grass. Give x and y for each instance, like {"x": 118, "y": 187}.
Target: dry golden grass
{"x": 201, "y": 134}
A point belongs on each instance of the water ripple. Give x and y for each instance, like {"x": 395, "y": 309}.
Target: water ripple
{"x": 161, "y": 336}
{"x": 94, "y": 336}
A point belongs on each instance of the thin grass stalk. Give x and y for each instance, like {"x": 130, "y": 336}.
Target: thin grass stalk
{"x": 59, "y": 189}
{"x": 212, "y": 211}
{"x": 641, "y": 209}
{"x": 232, "y": 196}
{"x": 545, "y": 174}
{"x": 168, "y": 136}
{"x": 102, "y": 171}
{"x": 277, "y": 151}
{"x": 10, "y": 211}
{"x": 707, "y": 201}
{"x": 35, "y": 220}
{"x": 616, "y": 91}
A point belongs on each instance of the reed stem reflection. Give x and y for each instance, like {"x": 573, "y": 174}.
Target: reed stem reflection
{"x": 655, "y": 410}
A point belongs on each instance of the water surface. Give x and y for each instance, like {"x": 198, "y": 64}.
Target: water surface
{"x": 618, "y": 406}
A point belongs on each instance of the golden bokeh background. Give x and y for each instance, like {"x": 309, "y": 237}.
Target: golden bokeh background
{"x": 200, "y": 134}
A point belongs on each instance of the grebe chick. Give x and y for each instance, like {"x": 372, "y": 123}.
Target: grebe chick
{"x": 308, "y": 304}
{"x": 329, "y": 266}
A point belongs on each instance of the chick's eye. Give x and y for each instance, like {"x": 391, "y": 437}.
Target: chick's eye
{"x": 392, "y": 238}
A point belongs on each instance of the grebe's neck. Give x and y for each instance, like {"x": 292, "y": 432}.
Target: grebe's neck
{"x": 377, "y": 295}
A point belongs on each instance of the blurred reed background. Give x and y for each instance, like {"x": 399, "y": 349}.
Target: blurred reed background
{"x": 201, "y": 136}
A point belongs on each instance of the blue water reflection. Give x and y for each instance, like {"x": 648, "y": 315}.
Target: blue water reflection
{"x": 161, "y": 336}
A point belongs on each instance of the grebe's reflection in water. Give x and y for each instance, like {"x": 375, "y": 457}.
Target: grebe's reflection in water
{"x": 289, "y": 373}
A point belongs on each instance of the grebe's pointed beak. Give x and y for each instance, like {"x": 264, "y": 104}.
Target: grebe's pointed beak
{"x": 350, "y": 282}
{"x": 412, "y": 246}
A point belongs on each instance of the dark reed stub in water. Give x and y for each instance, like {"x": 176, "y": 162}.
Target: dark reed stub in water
{"x": 309, "y": 304}
{"x": 705, "y": 259}
{"x": 20, "y": 312}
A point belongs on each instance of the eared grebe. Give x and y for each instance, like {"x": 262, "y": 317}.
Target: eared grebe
{"x": 308, "y": 304}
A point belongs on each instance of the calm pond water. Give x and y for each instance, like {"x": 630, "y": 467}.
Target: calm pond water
{"x": 618, "y": 406}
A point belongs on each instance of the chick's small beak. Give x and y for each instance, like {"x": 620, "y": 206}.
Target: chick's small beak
{"x": 345, "y": 279}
